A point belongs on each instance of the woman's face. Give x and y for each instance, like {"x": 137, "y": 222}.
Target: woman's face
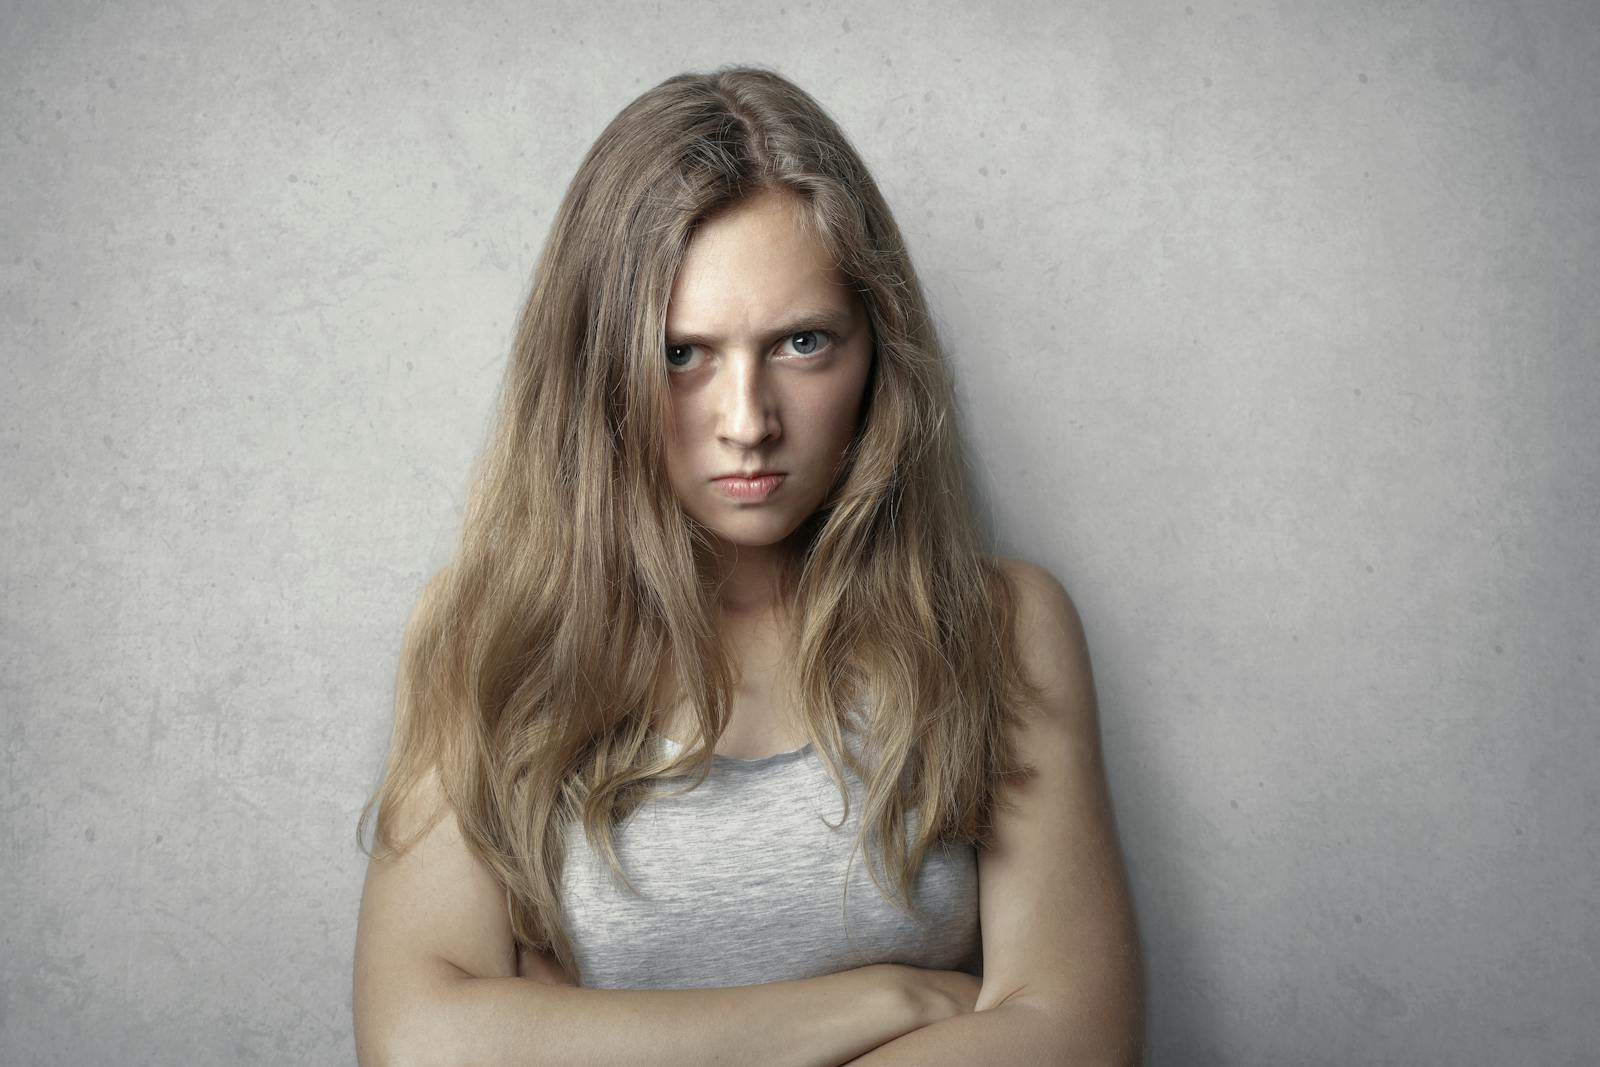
{"x": 767, "y": 353}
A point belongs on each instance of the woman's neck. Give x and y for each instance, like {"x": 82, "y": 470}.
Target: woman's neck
{"x": 747, "y": 583}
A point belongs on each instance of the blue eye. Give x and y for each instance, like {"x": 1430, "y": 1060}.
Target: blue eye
{"x": 672, "y": 350}
{"x": 810, "y": 333}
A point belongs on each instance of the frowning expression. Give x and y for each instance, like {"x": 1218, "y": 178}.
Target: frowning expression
{"x": 767, "y": 350}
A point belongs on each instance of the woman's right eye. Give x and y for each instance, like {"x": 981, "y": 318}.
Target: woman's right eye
{"x": 677, "y": 352}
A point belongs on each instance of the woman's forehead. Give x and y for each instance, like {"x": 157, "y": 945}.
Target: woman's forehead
{"x": 751, "y": 270}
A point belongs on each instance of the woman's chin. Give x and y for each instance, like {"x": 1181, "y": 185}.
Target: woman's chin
{"x": 753, "y": 531}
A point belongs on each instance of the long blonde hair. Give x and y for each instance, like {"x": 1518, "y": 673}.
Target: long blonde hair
{"x": 577, "y": 601}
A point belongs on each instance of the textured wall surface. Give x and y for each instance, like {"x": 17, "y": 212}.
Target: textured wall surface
{"x": 1277, "y": 336}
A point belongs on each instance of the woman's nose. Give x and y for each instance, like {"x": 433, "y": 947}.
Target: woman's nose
{"x": 748, "y": 414}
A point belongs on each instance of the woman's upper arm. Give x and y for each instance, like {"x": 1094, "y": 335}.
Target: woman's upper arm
{"x": 434, "y": 913}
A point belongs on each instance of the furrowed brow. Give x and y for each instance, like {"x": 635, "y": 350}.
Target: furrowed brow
{"x": 835, "y": 319}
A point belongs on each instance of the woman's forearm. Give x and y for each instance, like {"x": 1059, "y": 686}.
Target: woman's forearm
{"x": 811, "y": 1022}
{"x": 1010, "y": 1033}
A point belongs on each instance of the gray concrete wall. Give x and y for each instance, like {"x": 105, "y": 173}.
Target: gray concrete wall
{"x": 1277, "y": 335}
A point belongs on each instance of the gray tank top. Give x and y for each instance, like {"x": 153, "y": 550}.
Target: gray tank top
{"x": 742, "y": 883}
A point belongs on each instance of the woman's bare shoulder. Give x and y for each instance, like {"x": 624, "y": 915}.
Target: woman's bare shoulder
{"x": 1046, "y": 614}
{"x": 1028, "y": 578}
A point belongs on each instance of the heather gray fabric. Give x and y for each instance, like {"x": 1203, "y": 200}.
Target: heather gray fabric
{"x": 742, "y": 883}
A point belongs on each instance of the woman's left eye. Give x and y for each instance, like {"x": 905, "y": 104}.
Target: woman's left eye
{"x": 816, "y": 339}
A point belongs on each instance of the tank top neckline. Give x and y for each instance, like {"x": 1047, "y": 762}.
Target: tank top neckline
{"x": 736, "y": 763}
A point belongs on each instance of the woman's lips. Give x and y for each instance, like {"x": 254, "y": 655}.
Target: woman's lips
{"x": 749, "y": 490}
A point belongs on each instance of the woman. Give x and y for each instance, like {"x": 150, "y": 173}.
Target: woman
{"x": 721, "y": 534}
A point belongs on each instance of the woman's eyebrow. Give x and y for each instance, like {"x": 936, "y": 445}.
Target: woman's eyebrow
{"x": 836, "y": 319}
